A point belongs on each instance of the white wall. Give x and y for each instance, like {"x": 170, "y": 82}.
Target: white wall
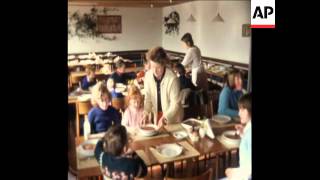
{"x": 138, "y": 31}
{"x": 216, "y": 40}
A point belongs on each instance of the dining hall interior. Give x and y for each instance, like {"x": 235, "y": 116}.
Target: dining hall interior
{"x": 159, "y": 89}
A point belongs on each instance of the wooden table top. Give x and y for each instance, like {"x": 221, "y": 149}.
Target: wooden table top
{"x": 218, "y": 74}
{"x": 204, "y": 146}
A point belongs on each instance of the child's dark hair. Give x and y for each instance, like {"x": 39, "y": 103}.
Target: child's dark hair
{"x": 158, "y": 55}
{"x": 245, "y": 102}
{"x": 115, "y": 139}
{"x": 180, "y": 69}
{"x": 187, "y": 38}
{"x": 120, "y": 63}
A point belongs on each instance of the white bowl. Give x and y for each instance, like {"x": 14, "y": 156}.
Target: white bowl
{"x": 86, "y": 152}
{"x": 145, "y": 132}
{"x": 169, "y": 150}
{"x": 230, "y": 140}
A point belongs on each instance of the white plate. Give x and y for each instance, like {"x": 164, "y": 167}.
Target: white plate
{"x": 169, "y": 150}
{"x": 221, "y": 119}
{"x": 121, "y": 85}
{"x": 120, "y": 89}
{"x": 180, "y": 134}
{"x": 84, "y": 97}
{"x": 87, "y": 153}
{"x": 229, "y": 140}
{"x": 148, "y": 133}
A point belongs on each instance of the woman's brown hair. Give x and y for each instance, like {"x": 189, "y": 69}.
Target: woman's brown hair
{"x": 187, "y": 38}
{"x": 158, "y": 55}
{"x": 115, "y": 140}
{"x": 230, "y": 77}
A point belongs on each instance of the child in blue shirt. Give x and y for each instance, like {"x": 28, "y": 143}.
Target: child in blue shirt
{"x": 102, "y": 115}
{"x": 89, "y": 80}
{"x": 230, "y": 94}
{"x": 243, "y": 172}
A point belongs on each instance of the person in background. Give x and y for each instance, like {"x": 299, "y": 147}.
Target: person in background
{"x": 193, "y": 57}
{"x": 141, "y": 74}
{"x": 89, "y": 80}
{"x": 111, "y": 87}
{"x": 116, "y": 160}
{"x": 230, "y": 94}
{"x": 243, "y": 172}
{"x": 133, "y": 115}
{"x": 185, "y": 81}
{"x": 120, "y": 76}
{"x": 102, "y": 115}
{"x": 162, "y": 90}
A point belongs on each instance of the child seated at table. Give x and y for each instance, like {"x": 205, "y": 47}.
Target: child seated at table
{"x": 102, "y": 115}
{"x": 111, "y": 87}
{"x": 231, "y": 93}
{"x": 243, "y": 172}
{"x": 116, "y": 160}
{"x": 90, "y": 79}
{"x": 185, "y": 82}
{"x": 119, "y": 76}
{"x": 134, "y": 113}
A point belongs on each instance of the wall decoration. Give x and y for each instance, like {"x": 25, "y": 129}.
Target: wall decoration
{"x": 86, "y": 26}
{"x": 109, "y": 24}
{"x": 246, "y": 30}
{"x": 171, "y": 23}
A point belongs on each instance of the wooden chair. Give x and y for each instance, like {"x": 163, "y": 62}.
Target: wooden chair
{"x": 74, "y": 80}
{"x": 205, "y": 176}
{"x": 82, "y": 109}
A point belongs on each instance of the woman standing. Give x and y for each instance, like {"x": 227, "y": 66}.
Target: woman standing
{"x": 193, "y": 57}
{"x": 162, "y": 89}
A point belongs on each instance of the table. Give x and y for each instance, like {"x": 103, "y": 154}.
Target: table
{"x": 205, "y": 146}
{"x": 83, "y": 73}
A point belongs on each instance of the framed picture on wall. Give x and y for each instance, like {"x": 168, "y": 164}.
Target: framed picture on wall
{"x": 109, "y": 24}
{"x": 246, "y": 30}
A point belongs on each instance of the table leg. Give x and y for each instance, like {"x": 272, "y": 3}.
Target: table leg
{"x": 217, "y": 166}
{"x": 77, "y": 121}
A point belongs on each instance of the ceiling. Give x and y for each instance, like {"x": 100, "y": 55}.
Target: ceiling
{"x": 127, "y": 3}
